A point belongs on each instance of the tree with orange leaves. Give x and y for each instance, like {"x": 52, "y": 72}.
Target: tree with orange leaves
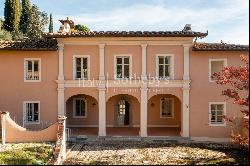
{"x": 237, "y": 77}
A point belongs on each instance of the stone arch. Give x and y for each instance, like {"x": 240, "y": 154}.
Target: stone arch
{"x": 69, "y": 92}
{"x": 134, "y": 114}
{"x": 157, "y": 119}
{"x": 135, "y": 92}
{"x": 92, "y": 112}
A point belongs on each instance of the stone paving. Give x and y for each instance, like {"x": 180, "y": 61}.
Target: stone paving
{"x": 152, "y": 152}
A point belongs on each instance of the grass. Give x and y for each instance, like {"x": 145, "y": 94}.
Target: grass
{"x": 27, "y": 154}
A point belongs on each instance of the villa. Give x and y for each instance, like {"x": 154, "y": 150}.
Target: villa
{"x": 119, "y": 83}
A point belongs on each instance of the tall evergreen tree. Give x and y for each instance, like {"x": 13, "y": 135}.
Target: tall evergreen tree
{"x": 35, "y": 25}
{"x": 25, "y": 15}
{"x": 12, "y": 11}
{"x": 50, "y": 23}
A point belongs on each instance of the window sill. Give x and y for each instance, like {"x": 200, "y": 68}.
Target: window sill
{"x": 167, "y": 117}
{"x": 32, "y": 81}
{"x": 79, "y": 117}
{"x": 80, "y": 79}
{"x": 123, "y": 79}
{"x": 31, "y": 123}
{"x": 218, "y": 125}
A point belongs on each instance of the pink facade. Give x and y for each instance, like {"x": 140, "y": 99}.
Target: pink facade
{"x": 56, "y": 94}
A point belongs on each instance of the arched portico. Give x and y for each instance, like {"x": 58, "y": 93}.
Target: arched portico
{"x": 164, "y": 115}
{"x": 82, "y": 114}
{"x": 123, "y": 115}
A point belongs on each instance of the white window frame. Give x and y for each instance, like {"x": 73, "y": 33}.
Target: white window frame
{"x": 24, "y": 112}
{"x": 130, "y": 65}
{"x": 74, "y": 65}
{"x": 210, "y": 67}
{"x": 39, "y": 68}
{"x": 171, "y": 65}
{"x": 223, "y": 113}
{"x": 172, "y": 111}
{"x": 74, "y": 108}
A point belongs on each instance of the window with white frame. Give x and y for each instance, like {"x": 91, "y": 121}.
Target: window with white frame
{"x": 31, "y": 112}
{"x": 164, "y": 66}
{"x": 32, "y": 69}
{"x": 81, "y": 67}
{"x": 215, "y": 66}
{"x": 167, "y": 108}
{"x": 80, "y": 108}
{"x": 216, "y": 113}
{"x": 122, "y": 107}
{"x": 122, "y": 67}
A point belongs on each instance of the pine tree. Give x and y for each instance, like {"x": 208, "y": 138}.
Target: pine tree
{"x": 50, "y": 23}
{"x": 12, "y": 15}
{"x": 25, "y": 15}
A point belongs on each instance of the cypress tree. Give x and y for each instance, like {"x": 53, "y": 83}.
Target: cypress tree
{"x": 12, "y": 15}
{"x": 25, "y": 15}
{"x": 50, "y": 23}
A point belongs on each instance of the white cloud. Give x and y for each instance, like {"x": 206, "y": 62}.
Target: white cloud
{"x": 227, "y": 22}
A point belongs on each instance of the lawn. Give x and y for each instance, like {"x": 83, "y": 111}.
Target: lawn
{"x": 26, "y": 154}
{"x": 151, "y": 153}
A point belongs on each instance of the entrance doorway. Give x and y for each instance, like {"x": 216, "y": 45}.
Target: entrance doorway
{"x": 123, "y": 113}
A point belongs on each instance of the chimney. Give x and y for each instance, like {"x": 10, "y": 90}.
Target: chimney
{"x": 187, "y": 27}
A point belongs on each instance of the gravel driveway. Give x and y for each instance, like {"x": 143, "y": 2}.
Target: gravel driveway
{"x": 154, "y": 152}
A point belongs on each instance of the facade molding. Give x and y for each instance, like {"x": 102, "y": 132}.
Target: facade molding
{"x": 186, "y": 47}
{"x": 186, "y": 91}
{"x": 144, "y": 61}
{"x": 125, "y": 83}
{"x": 127, "y": 41}
{"x": 144, "y": 112}
{"x": 153, "y": 126}
{"x": 102, "y": 111}
{"x": 102, "y": 61}
{"x": 61, "y": 88}
{"x": 61, "y": 62}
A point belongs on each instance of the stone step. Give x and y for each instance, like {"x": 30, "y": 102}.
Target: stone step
{"x": 83, "y": 138}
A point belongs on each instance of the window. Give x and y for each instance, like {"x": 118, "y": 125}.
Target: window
{"x": 122, "y": 106}
{"x": 122, "y": 67}
{"x": 81, "y": 67}
{"x": 165, "y": 66}
{"x": 216, "y": 113}
{"x": 167, "y": 108}
{"x": 32, "y": 70}
{"x": 31, "y": 112}
{"x": 216, "y": 65}
{"x": 80, "y": 108}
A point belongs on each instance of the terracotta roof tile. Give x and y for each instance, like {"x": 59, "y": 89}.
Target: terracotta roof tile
{"x": 219, "y": 47}
{"x": 36, "y": 45}
{"x": 127, "y": 34}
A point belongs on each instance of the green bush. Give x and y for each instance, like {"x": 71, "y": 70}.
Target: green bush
{"x": 82, "y": 28}
{"x": 35, "y": 155}
{"x": 5, "y": 35}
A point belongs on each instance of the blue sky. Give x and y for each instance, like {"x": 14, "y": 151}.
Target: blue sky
{"x": 226, "y": 20}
